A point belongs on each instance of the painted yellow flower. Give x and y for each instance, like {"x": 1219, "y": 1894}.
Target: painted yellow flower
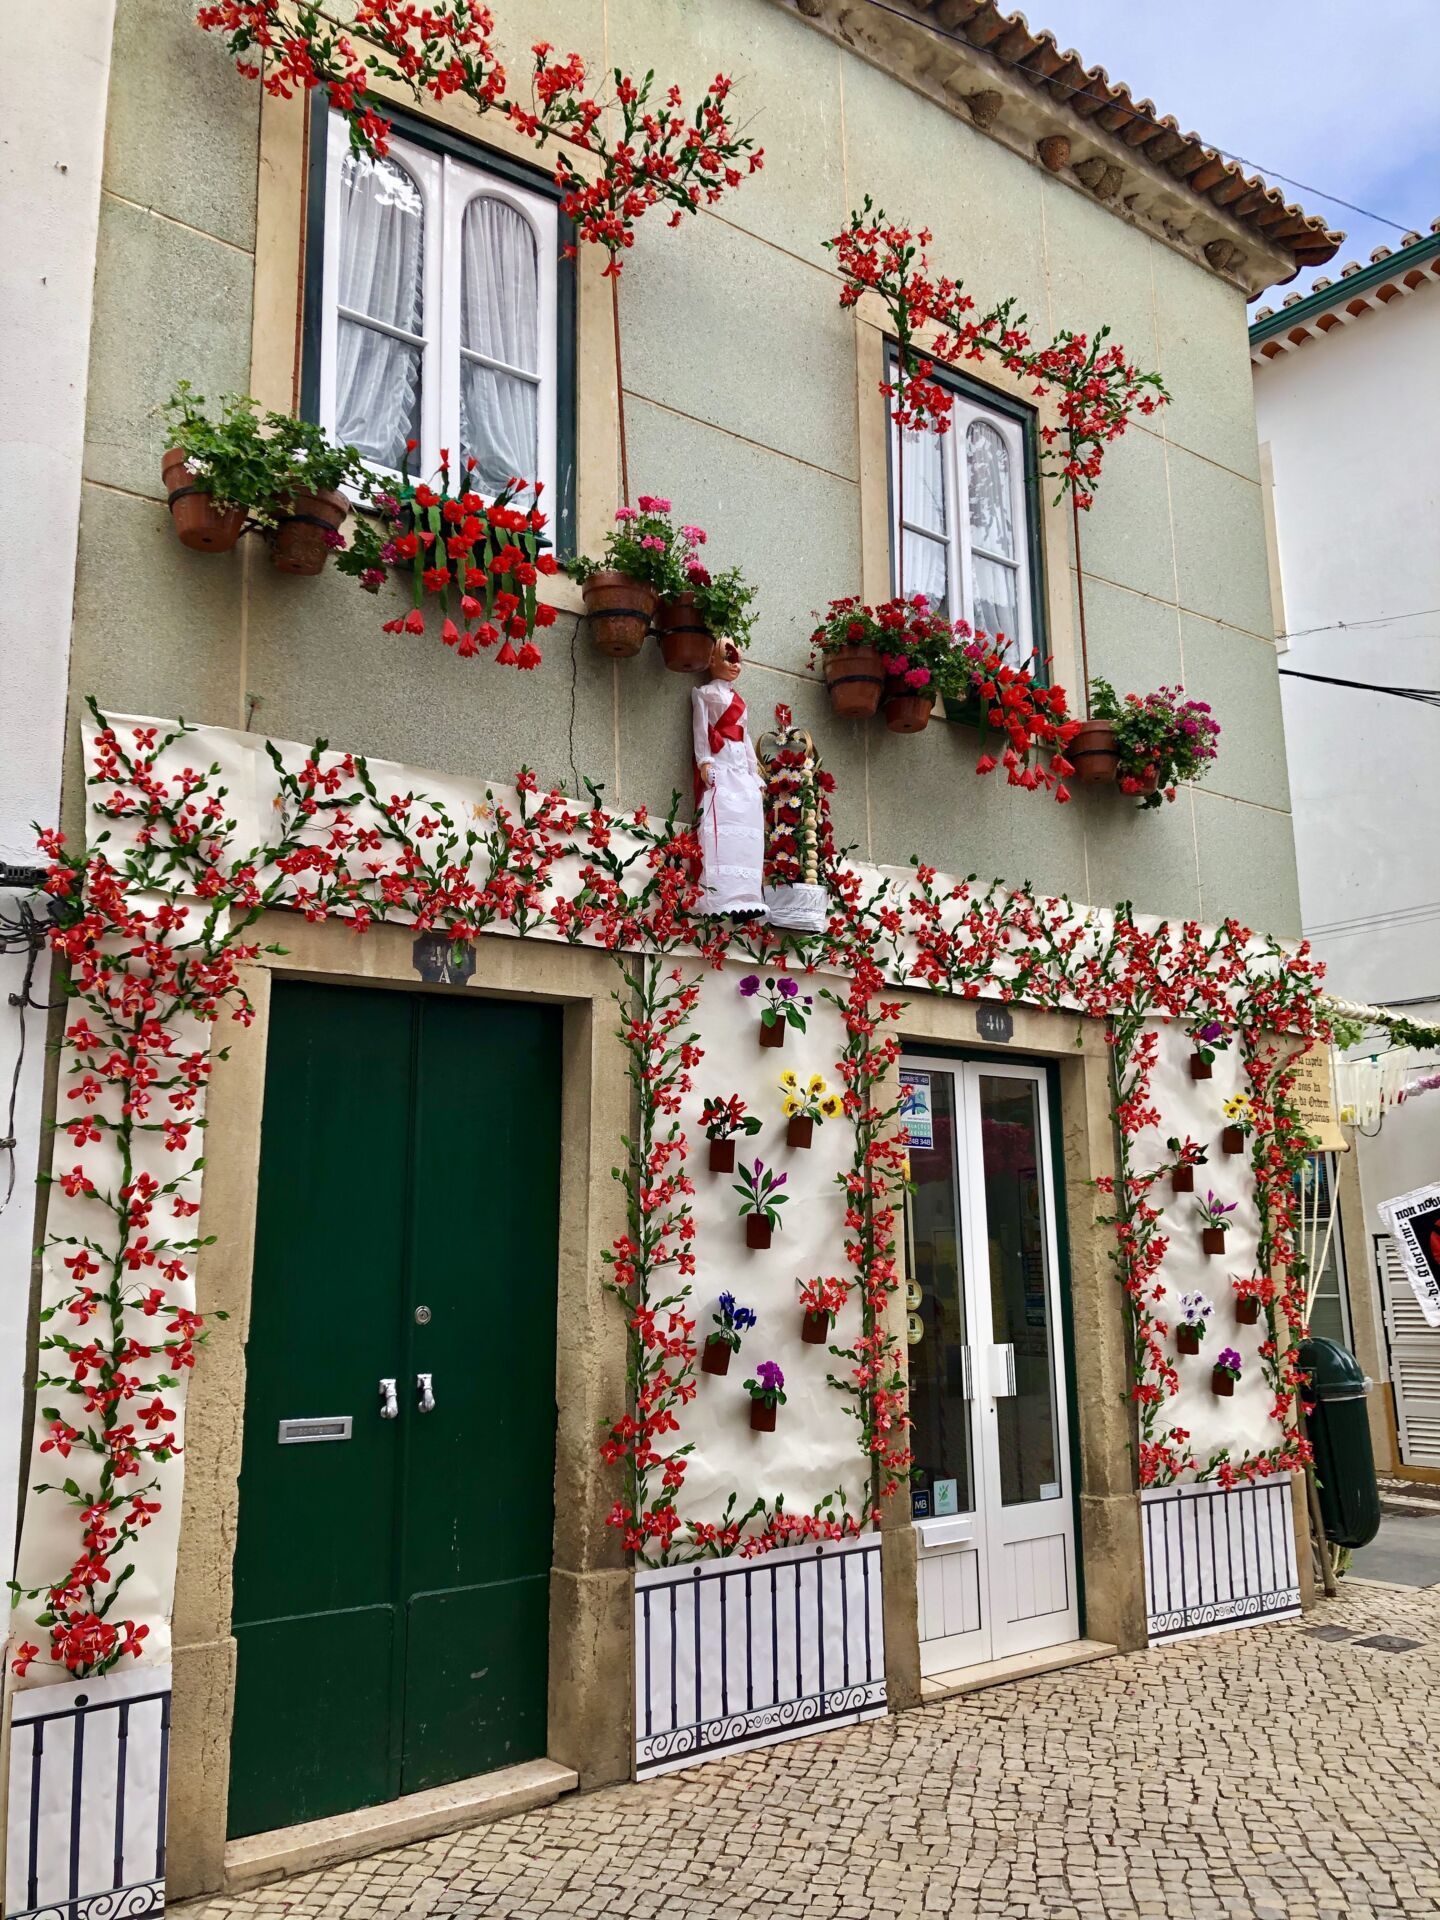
{"x": 832, "y": 1106}
{"x": 1237, "y": 1107}
{"x": 817, "y": 1083}
{"x": 789, "y": 1082}
{"x": 790, "y": 1106}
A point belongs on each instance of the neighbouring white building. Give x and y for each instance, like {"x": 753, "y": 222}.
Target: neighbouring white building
{"x": 1347, "y": 402}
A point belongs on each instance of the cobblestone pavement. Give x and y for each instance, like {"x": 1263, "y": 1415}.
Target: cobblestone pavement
{"x": 1265, "y": 1773}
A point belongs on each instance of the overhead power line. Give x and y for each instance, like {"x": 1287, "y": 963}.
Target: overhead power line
{"x": 1427, "y": 696}
{"x": 1347, "y": 626}
{"x": 1089, "y": 93}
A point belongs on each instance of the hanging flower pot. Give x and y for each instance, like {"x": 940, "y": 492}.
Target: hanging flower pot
{"x": 200, "y": 524}
{"x": 1247, "y": 1310}
{"x": 1200, "y": 1067}
{"x": 722, "y": 1156}
{"x": 905, "y": 710}
{"x": 757, "y": 1231}
{"x": 1095, "y": 753}
{"x": 1182, "y": 1180}
{"x": 716, "y": 1355}
{"x": 1232, "y": 1139}
{"x": 1212, "y": 1239}
{"x": 815, "y": 1327}
{"x": 762, "y": 1417}
{"x": 800, "y": 1130}
{"x": 619, "y": 610}
{"x": 299, "y": 544}
{"x": 685, "y": 641}
{"x": 855, "y": 680}
{"x": 1222, "y": 1384}
{"x": 773, "y": 1035}
{"x": 1187, "y": 1338}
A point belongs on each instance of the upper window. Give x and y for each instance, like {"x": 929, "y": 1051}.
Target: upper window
{"x": 438, "y": 314}
{"x": 966, "y": 522}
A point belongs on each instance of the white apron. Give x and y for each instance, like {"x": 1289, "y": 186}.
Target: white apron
{"x": 730, "y": 818}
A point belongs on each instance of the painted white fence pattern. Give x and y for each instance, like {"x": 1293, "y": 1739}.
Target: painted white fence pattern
{"x": 1218, "y": 1559}
{"x": 742, "y": 1653}
{"x": 89, "y": 1767}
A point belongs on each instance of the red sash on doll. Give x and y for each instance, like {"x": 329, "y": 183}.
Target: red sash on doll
{"x": 730, "y": 726}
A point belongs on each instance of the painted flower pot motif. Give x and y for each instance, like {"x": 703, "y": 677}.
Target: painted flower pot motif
{"x": 1212, "y": 1239}
{"x": 619, "y": 610}
{"x": 200, "y": 524}
{"x": 762, "y": 1418}
{"x": 1222, "y": 1384}
{"x": 300, "y": 544}
{"x": 1247, "y": 1311}
{"x": 1187, "y": 1339}
{"x": 855, "y": 679}
{"x": 757, "y": 1231}
{"x": 799, "y": 1130}
{"x": 1095, "y": 753}
{"x": 686, "y": 643}
{"x": 772, "y": 1036}
{"x": 722, "y": 1156}
{"x": 716, "y": 1356}
{"x": 1182, "y": 1180}
{"x": 1200, "y": 1067}
{"x": 815, "y": 1328}
{"x": 1232, "y": 1139}
{"x": 906, "y": 712}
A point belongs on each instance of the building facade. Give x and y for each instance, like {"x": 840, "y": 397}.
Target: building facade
{"x": 393, "y": 1596}
{"x": 1352, "y": 367}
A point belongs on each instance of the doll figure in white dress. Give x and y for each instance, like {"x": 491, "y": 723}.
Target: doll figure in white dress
{"x": 729, "y": 792}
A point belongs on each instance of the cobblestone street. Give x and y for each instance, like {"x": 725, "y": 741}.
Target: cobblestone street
{"x": 1268, "y": 1773}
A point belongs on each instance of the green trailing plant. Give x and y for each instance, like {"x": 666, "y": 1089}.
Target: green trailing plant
{"x": 245, "y": 458}
{"x": 722, "y": 601}
{"x": 1162, "y": 738}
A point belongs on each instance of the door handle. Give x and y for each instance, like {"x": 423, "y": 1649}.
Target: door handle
{"x": 967, "y": 1380}
{"x": 389, "y": 1405}
{"x": 1002, "y": 1370}
{"x": 424, "y": 1387}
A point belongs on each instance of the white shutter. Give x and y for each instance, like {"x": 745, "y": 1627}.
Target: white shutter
{"x": 1414, "y": 1359}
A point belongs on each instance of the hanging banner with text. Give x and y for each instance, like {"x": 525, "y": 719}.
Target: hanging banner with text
{"x": 1314, "y": 1095}
{"x": 1414, "y": 1219}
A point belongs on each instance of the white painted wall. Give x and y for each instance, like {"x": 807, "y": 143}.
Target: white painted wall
{"x": 54, "y": 72}
{"x": 1353, "y": 426}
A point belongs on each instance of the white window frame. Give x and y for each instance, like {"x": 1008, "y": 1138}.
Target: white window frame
{"x": 958, "y": 540}
{"x": 447, "y": 186}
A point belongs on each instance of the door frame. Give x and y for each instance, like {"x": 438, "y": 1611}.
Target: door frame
{"x": 985, "y": 1519}
{"x": 590, "y": 1640}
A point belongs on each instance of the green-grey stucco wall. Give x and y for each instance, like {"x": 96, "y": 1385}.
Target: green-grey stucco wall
{"x": 741, "y": 384}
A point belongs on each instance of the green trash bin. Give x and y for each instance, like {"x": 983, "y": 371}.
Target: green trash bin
{"x": 1340, "y": 1433}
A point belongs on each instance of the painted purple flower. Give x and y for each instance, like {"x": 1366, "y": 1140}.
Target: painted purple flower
{"x": 789, "y": 988}
{"x": 770, "y": 1377}
{"x": 750, "y": 985}
{"x": 1229, "y": 1362}
{"x": 1212, "y": 1030}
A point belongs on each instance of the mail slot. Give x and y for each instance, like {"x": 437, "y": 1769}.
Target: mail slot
{"x": 294, "y": 1433}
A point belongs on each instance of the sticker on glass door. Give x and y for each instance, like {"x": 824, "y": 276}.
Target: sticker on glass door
{"x": 987, "y": 1368}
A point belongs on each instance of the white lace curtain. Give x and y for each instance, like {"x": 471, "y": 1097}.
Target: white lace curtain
{"x": 382, "y": 258}
{"x": 499, "y": 319}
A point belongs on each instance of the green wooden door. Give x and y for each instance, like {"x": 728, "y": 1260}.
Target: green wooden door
{"x": 391, "y": 1588}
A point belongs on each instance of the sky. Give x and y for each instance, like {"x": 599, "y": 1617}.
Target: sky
{"x": 1339, "y": 96}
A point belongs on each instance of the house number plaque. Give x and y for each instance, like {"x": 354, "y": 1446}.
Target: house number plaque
{"x": 994, "y": 1022}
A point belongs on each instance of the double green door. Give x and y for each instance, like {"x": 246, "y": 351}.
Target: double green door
{"x": 397, "y": 1480}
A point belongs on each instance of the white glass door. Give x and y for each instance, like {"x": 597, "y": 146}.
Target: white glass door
{"x": 992, "y": 1497}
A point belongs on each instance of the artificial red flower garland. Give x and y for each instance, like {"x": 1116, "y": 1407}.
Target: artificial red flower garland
{"x": 153, "y": 924}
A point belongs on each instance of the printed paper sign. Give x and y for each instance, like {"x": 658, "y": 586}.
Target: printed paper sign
{"x": 1314, "y": 1097}
{"x": 947, "y": 1496}
{"x": 1414, "y": 1219}
{"x": 915, "y": 1110}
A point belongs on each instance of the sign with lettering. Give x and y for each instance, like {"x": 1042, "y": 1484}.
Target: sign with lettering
{"x": 993, "y": 1022}
{"x": 1414, "y": 1219}
{"x": 916, "y": 1112}
{"x": 1314, "y": 1095}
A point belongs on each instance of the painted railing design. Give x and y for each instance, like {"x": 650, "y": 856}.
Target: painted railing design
{"x": 742, "y": 1653}
{"x": 1217, "y": 1557}
{"x": 89, "y": 1770}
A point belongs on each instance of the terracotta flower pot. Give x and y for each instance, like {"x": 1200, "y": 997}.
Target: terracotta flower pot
{"x": 815, "y": 1329}
{"x": 1247, "y": 1310}
{"x": 1232, "y": 1139}
{"x": 722, "y": 1156}
{"x": 801, "y": 1130}
{"x": 774, "y": 1034}
{"x": 685, "y": 641}
{"x": 905, "y": 710}
{"x": 1222, "y": 1385}
{"x": 299, "y": 544}
{"x": 619, "y": 610}
{"x": 715, "y": 1357}
{"x": 1095, "y": 753}
{"x": 757, "y": 1231}
{"x": 1187, "y": 1339}
{"x": 762, "y": 1418}
{"x": 1200, "y": 1067}
{"x": 198, "y": 522}
{"x": 856, "y": 680}
{"x": 1182, "y": 1180}
{"x": 1212, "y": 1239}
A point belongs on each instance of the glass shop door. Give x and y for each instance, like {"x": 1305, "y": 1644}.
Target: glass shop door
{"x": 991, "y": 1500}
